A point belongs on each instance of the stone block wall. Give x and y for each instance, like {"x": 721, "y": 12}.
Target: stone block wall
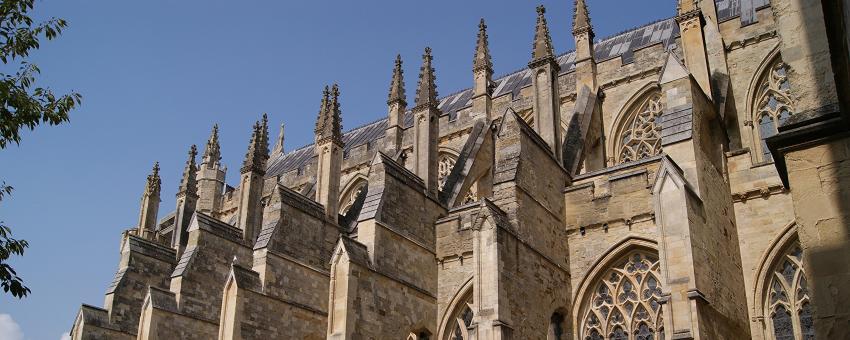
{"x": 605, "y": 208}
{"x": 819, "y": 177}
{"x": 143, "y": 264}
{"x": 454, "y": 255}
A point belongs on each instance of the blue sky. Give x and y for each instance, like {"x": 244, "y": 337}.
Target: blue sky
{"x": 156, "y": 75}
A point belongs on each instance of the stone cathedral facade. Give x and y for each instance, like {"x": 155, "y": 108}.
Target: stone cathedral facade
{"x": 687, "y": 179}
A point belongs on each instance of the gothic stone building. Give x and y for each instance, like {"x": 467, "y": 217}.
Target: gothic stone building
{"x": 688, "y": 179}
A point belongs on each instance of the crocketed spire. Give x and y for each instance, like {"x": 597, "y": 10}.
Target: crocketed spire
{"x": 212, "y": 153}
{"x": 255, "y": 158}
{"x": 329, "y": 122}
{"x": 264, "y": 132}
{"x": 278, "y": 144}
{"x": 581, "y": 19}
{"x": 542, "y": 47}
{"x": 482, "y": 60}
{"x": 397, "y": 84}
{"x": 154, "y": 183}
{"x": 189, "y": 183}
{"x": 426, "y": 92}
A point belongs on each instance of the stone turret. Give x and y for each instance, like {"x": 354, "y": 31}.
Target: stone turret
{"x": 482, "y": 75}
{"x": 690, "y": 22}
{"x": 187, "y": 198}
{"x": 251, "y": 182}
{"x": 150, "y": 204}
{"x": 583, "y": 35}
{"x": 329, "y": 152}
{"x": 426, "y": 118}
{"x": 396, "y": 106}
{"x": 546, "y": 105}
{"x": 211, "y": 176}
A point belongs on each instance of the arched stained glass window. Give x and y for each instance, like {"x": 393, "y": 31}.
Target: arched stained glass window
{"x": 787, "y": 305}
{"x": 460, "y": 321}
{"x": 624, "y": 301}
{"x": 772, "y": 103}
{"x": 640, "y": 135}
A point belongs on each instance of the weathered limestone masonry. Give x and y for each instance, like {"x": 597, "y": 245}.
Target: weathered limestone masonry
{"x": 387, "y": 276}
{"x": 687, "y": 179}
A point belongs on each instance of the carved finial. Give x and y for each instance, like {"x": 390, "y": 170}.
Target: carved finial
{"x": 278, "y": 145}
{"x": 255, "y": 158}
{"x": 482, "y": 59}
{"x": 323, "y": 107}
{"x": 265, "y": 133}
{"x": 426, "y": 92}
{"x": 329, "y": 122}
{"x": 542, "y": 47}
{"x": 154, "y": 183}
{"x": 581, "y": 19}
{"x": 188, "y": 184}
{"x": 212, "y": 152}
{"x": 397, "y": 84}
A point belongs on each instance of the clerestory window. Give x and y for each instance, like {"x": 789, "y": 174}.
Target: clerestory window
{"x": 640, "y": 134}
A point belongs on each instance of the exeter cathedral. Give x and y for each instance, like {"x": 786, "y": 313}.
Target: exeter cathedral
{"x": 686, "y": 179}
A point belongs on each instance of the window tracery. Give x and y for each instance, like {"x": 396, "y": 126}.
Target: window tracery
{"x": 624, "y": 302}
{"x": 460, "y": 321}
{"x": 772, "y": 104}
{"x": 445, "y": 166}
{"x": 351, "y": 197}
{"x": 640, "y": 136}
{"x": 787, "y": 305}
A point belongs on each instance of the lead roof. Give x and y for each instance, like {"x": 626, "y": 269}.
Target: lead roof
{"x": 620, "y": 45}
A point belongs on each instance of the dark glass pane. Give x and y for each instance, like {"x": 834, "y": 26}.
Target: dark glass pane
{"x": 458, "y": 335}
{"x": 797, "y": 252}
{"x": 618, "y": 334}
{"x": 788, "y": 270}
{"x": 594, "y": 335}
{"x": 766, "y": 129}
{"x": 784, "y": 114}
{"x": 782, "y": 329}
{"x": 467, "y": 316}
{"x": 777, "y": 293}
{"x": 644, "y": 333}
{"x": 806, "y": 326}
{"x": 802, "y": 288}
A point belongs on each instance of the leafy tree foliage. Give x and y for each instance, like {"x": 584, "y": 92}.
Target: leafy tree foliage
{"x": 9, "y": 279}
{"x": 23, "y": 105}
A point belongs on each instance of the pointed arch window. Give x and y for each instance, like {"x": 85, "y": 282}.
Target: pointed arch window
{"x": 461, "y": 319}
{"x": 787, "y": 305}
{"x": 772, "y": 104}
{"x": 444, "y": 167}
{"x": 349, "y": 199}
{"x": 624, "y": 301}
{"x": 640, "y": 134}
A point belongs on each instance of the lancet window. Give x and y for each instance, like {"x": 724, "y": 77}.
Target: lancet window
{"x": 624, "y": 301}
{"x": 772, "y": 104}
{"x": 788, "y": 311}
{"x": 640, "y": 134}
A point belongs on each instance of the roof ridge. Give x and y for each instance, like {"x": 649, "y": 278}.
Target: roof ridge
{"x": 500, "y": 78}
